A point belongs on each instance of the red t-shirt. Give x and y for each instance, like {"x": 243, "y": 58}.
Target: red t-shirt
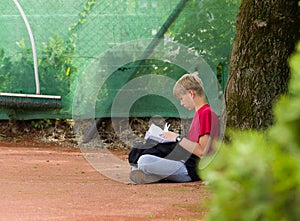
{"x": 205, "y": 121}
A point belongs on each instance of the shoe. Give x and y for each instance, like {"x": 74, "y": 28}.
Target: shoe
{"x": 139, "y": 177}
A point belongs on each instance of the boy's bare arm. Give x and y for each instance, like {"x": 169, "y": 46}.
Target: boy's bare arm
{"x": 199, "y": 149}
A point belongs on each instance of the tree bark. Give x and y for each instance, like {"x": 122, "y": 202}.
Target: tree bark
{"x": 266, "y": 33}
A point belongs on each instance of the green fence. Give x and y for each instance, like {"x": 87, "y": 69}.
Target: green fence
{"x": 78, "y": 41}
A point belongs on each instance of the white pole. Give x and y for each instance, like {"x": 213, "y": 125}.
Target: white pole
{"x": 36, "y": 74}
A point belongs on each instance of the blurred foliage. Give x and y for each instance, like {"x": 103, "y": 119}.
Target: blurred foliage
{"x": 257, "y": 175}
{"x": 208, "y": 28}
{"x": 286, "y": 132}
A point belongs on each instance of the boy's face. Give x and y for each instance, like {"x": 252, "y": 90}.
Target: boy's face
{"x": 187, "y": 100}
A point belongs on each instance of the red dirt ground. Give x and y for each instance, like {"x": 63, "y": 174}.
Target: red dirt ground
{"x": 41, "y": 181}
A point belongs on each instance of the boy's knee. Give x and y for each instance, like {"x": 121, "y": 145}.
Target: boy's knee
{"x": 142, "y": 160}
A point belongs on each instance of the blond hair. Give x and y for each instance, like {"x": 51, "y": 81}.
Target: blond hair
{"x": 188, "y": 82}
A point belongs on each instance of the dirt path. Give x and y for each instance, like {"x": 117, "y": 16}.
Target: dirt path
{"x": 45, "y": 182}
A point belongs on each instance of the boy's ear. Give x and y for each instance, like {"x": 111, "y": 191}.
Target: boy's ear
{"x": 192, "y": 93}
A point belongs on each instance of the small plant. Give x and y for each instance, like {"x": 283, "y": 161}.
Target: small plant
{"x": 41, "y": 124}
{"x": 12, "y": 69}
{"x": 150, "y": 217}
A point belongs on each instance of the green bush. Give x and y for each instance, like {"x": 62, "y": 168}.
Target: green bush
{"x": 55, "y": 64}
{"x": 257, "y": 175}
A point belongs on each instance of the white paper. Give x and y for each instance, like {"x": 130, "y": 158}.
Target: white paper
{"x": 155, "y": 133}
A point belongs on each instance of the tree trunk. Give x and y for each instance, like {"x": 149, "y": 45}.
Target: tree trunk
{"x": 266, "y": 33}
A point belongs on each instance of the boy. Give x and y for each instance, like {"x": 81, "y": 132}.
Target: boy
{"x": 203, "y": 130}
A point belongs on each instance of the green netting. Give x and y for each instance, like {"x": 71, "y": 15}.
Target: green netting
{"x": 79, "y": 40}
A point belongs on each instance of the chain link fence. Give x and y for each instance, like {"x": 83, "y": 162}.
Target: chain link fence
{"x": 71, "y": 34}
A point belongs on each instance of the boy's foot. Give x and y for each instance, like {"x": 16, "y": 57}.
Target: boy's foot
{"x": 139, "y": 177}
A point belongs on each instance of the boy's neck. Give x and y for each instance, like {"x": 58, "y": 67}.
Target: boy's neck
{"x": 199, "y": 102}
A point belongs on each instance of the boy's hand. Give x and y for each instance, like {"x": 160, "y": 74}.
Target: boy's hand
{"x": 169, "y": 135}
